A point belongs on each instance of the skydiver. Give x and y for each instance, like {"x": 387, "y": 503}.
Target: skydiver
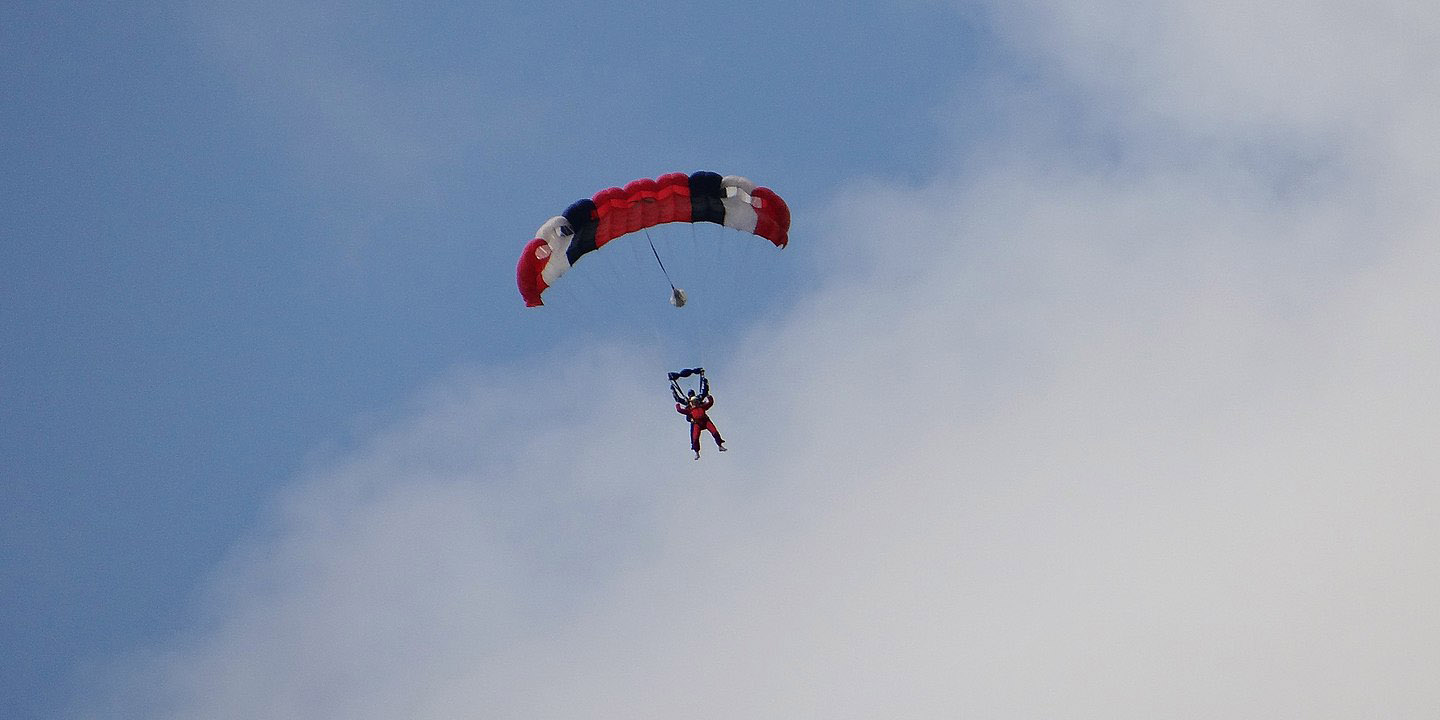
{"x": 693, "y": 407}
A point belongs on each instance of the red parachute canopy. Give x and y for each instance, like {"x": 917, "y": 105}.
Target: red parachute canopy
{"x": 589, "y": 224}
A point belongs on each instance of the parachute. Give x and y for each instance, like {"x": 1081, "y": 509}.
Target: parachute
{"x": 589, "y": 224}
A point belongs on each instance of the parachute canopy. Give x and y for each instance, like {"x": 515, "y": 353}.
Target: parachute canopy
{"x": 589, "y": 224}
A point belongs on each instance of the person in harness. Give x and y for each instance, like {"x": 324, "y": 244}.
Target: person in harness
{"x": 694, "y": 406}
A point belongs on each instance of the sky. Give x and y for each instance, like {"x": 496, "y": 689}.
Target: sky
{"x": 1097, "y": 380}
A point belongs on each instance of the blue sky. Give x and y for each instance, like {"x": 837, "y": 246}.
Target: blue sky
{"x": 235, "y": 234}
{"x": 1101, "y": 327}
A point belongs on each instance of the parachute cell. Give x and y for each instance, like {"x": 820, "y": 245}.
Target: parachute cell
{"x": 589, "y": 224}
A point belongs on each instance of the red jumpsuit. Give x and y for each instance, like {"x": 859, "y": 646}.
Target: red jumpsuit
{"x": 700, "y": 421}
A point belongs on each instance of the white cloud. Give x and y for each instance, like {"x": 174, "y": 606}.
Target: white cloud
{"x": 1228, "y": 66}
{"x": 1054, "y": 442}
